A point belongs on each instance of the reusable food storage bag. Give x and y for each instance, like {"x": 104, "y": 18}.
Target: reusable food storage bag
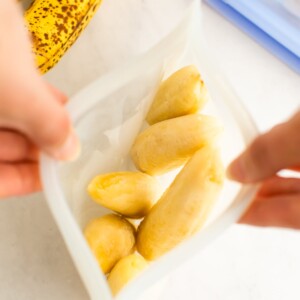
{"x": 108, "y": 115}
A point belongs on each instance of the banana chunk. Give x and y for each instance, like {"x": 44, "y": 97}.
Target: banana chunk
{"x": 131, "y": 194}
{"x": 125, "y": 270}
{"x": 55, "y": 25}
{"x": 183, "y": 93}
{"x": 110, "y": 238}
{"x": 169, "y": 144}
{"x": 184, "y": 207}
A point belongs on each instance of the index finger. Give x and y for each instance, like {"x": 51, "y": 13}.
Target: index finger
{"x": 269, "y": 153}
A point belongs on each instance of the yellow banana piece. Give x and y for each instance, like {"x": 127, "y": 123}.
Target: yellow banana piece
{"x": 183, "y": 93}
{"x": 185, "y": 205}
{"x": 131, "y": 194}
{"x": 55, "y": 25}
{"x": 125, "y": 270}
{"x": 169, "y": 144}
{"x": 110, "y": 238}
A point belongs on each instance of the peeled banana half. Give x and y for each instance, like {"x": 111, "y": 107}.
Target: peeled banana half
{"x": 183, "y": 93}
{"x": 131, "y": 194}
{"x": 110, "y": 238}
{"x": 55, "y": 25}
{"x": 167, "y": 145}
{"x": 185, "y": 205}
{"x": 125, "y": 270}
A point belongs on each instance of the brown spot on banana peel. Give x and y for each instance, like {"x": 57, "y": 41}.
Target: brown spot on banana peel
{"x": 63, "y": 21}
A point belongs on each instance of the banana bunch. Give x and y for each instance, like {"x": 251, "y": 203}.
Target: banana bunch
{"x": 55, "y": 25}
{"x": 178, "y": 136}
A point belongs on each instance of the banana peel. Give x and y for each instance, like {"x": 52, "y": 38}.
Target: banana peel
{"x": 55, "y": 25}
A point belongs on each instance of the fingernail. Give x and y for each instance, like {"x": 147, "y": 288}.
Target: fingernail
{"x": 70, "y": 150}
{"x": 237, "y": 171}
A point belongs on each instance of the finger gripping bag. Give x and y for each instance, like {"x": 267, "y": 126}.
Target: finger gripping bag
{"x": 108, "y": 115}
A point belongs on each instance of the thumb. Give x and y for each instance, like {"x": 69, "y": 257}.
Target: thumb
{"x": 27, "y": 104}
{"x": 40, "y": 114}
{"x": 269, "y": 153}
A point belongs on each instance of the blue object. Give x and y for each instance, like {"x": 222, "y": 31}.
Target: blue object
{"x": 268, "y": 23}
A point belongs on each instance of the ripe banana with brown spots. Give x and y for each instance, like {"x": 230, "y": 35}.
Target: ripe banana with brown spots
{"x": 55, "y": 25}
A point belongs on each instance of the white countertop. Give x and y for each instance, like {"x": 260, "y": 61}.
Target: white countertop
{"x": 245, "y": 263}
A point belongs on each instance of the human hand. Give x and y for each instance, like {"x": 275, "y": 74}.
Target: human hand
{"x": 32, "y": 115}
{"x": 277, "y": 202}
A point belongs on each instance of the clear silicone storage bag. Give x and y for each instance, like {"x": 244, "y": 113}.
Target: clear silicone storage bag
{"x": 108, "y": 115}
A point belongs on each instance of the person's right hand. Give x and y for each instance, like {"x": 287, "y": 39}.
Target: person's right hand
{"x": 32, "y": 114}
{"x": 277, "y": 202}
